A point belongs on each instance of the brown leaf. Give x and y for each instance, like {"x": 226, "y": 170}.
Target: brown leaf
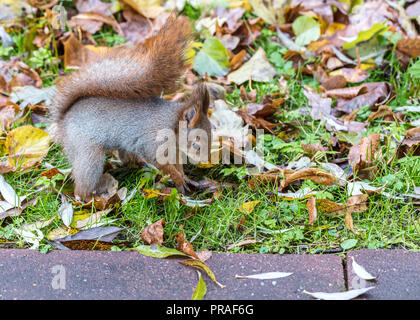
{"x": 237, "y": 60}
{"x": 410, "y": 46}
{"x": 311, "y": 206}
{"x": 317, "y": 175}
{"x": 76, "y": 54}
{"x": 8, "y": 114}
{"x": 384, "y": 112}
{"x": 50, "y": 173}
{"x": 357, "y": 203}
{"x": 334, "y": 82}
{"x": 313, "y": 148}
{"x": 376, "y": 92}
{"x": 347, "y": 93}
{"x": 92, "y": 22}
{"x": 153, "y": 234}
{"x": 363, "y": 153}
{"x": 184, "y": 246}
{"x": 88, "y": 245}
{"x": 251, "y": 96}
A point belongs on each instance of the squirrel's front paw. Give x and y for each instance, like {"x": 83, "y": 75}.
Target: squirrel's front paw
{"x": 184, "y": 189}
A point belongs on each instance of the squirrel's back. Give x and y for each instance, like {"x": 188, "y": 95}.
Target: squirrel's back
{"x": 141, "y": 72}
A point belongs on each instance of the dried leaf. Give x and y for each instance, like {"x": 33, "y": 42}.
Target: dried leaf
{"x": 317, "y": 175}
{"x": 311, "y": 206}
{"x": 257, "y": 68}
{"x": 184, "y": 246}
{"x": 201, "y": 265}
{"x": 153, "y": 234}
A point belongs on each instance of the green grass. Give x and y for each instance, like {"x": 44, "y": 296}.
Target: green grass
{"x": 278, "y": 225}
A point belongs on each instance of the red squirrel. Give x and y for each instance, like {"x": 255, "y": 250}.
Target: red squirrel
{"x": 113, "y": 104}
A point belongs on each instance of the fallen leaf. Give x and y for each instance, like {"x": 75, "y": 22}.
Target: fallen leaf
{"x": 410, "y": 46}
{"x": 157, "y": 251}
{"x": 148, "y": 8}
{"x": 201, "y": 265}
{"x": 306, "y": 30}
{"x": 317, "y": 175}
{"x": 27, "y": 146}
{"x": 364, "y": 153}
{"x": 185, "y": 246}
{"x": 212, "y": 58}
{"x": 257, "y": 68}
{"x": 361, "y": 272}
{"x": 201, "y": 289}
{"x": 65, "y": 212}
{"x": 311, "y": 206}
{"x": 242, "y": 243}
{"x": 347, "y": 295}
{"x": 153, "y": 234}
{"x": 106, "y": 234}
{"x": 248, "y": 207}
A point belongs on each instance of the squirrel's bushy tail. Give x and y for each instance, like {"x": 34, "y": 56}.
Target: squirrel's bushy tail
{"x": 141, "y": 72}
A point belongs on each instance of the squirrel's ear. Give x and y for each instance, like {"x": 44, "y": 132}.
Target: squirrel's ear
{"x": 197, "y": 106}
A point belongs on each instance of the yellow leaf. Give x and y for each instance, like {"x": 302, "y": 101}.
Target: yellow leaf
{"x": 27, "y": 146}
{"x": 201, "y": 265}
{"x": 248, "y": 207}
{"x": 148, "y": 8}
{"x": 334, "y": 27}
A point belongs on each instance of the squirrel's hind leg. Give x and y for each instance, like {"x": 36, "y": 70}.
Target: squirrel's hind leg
{"x": 88, "y": 165}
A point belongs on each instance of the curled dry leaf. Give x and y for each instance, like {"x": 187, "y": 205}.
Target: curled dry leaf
{"x": 184, "y": 246}
{"x": 317, "y": 175}
{"x": 311, "y": 206}
{"x": 364, "y": 153}
{"x": 153, "y": 234}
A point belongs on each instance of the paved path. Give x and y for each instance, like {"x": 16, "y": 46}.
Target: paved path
{"x": 27, "y": 274}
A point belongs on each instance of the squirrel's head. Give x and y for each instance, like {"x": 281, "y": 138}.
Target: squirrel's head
{"x": 198, "y": 123}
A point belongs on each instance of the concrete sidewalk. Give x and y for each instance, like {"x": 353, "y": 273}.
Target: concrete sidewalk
{"x": 90, "y": 275}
